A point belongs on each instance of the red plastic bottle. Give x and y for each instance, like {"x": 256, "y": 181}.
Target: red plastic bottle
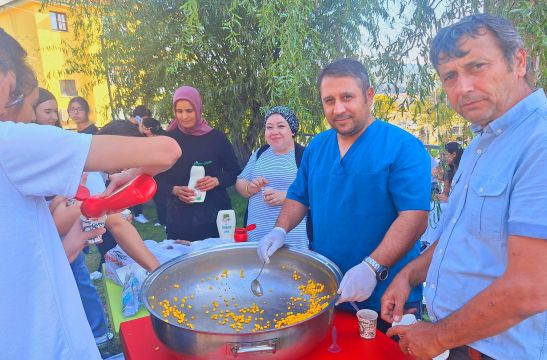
{"x": 138, "y": 191}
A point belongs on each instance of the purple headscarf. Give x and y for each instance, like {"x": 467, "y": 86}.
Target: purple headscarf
{"x": 190, "y": 94}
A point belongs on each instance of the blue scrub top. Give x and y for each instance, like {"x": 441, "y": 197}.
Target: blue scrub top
{"x": 354, "y": 200}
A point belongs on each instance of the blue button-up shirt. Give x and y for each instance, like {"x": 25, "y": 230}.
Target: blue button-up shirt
{"x": 500, "y": 189}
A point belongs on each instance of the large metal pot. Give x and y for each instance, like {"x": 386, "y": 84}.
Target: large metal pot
{"x": 198, "y": 276}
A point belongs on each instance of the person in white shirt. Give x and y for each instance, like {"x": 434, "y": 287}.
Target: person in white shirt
{"x": 40, "y": 304}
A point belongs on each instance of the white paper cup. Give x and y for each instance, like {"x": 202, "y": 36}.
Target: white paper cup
{"x": 407, "y": 319}
{"x": 367, "y": 323}
{"x": 264, "y": 190}
{"x": 91, "y": 224}
{"x": 126, "y": 214}
{"x": 442, "y": 356}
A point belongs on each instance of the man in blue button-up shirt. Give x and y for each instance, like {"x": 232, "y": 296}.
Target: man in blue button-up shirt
{"x": 486, "y": 283}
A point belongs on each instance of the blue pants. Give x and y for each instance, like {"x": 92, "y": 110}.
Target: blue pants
{"x": 94, "y": 309}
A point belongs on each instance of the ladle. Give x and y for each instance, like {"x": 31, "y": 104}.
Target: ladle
{"x": 256, "y": 287}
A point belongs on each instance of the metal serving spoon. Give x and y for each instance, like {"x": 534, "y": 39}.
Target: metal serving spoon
{"x": 256, "y": 288}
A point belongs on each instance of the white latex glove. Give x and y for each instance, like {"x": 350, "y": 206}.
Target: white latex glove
{"x": 270, "y": 243}
{"x": 357, "y": 284}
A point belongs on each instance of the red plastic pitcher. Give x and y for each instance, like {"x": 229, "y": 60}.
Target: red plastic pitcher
{"x": 240, "y": 234}
{"x": 137, "y": 191}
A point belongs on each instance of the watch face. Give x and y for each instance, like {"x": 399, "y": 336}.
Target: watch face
{"x": 382, "y": 275}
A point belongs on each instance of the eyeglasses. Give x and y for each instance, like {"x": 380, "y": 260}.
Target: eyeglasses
{"x": 17, "y": 100}
{"x": 75, "y": 110}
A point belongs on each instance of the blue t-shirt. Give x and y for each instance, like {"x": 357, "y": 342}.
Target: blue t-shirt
{"x": 354, "y": 200}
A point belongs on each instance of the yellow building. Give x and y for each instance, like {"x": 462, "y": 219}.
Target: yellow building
{"x": 43, "y": 30}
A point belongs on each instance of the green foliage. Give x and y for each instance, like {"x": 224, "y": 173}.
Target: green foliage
{"x": 530, "y": 19}
{"x": 247, "y": 55}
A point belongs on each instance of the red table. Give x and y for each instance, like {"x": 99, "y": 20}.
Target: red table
{"x": 140, "y": 342}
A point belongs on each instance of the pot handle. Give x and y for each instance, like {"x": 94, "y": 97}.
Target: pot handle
{"x": 252, "y": 347}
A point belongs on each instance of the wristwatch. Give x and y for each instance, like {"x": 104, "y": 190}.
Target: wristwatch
{"x": 380, "y": 270}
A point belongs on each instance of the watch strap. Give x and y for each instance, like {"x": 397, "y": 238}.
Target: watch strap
{"x": 378, "y": 269}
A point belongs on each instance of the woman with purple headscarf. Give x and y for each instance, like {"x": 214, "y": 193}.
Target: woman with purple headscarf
{"x": 186, "y": 219}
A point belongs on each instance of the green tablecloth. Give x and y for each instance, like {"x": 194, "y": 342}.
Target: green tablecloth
{"x": 113, "y": 295}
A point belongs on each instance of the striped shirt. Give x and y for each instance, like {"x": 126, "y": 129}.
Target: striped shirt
{"x": 280, "y": 170}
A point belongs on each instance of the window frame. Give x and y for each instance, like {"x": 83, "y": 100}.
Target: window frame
{"x": 58, "y": 21}
{"x": 68, "y": 88}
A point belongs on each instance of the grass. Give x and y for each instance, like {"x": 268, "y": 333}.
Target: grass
{"x": 150, "y": 232}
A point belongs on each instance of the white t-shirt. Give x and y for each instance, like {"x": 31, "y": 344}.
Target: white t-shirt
{"x": 41, "y": 313}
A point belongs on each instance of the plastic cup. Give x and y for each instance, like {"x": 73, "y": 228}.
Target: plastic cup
{"x": 367, "y": 323}
{"x": 91, "y": 224}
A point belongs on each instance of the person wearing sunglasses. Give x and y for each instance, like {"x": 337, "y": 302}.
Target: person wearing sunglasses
{"x": 41, "y": 308}
{"x": 21, "y": 98}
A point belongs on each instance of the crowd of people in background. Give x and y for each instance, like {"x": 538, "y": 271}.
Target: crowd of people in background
{"x": 360, "y": 194}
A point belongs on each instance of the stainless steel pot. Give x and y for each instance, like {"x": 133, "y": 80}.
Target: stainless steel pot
{"x": 201, "y": 277}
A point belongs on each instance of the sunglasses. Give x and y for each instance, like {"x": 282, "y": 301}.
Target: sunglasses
{"x": 17, "y": 100}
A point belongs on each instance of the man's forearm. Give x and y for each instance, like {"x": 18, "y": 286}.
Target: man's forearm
{"x": 416, "y": 271}
{"x": 492, "y": 311}
{"x": 519, "y": 293}
{"x": 152, "y": 155}
{"x": 291, "y": 214}
{"x": 400, "y": 237}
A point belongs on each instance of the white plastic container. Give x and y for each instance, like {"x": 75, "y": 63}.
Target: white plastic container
{"x": 197, "y": 172}
{"x": 226, "y": 224}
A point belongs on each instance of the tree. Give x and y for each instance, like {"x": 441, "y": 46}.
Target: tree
{"x": 243, "y": 55}
{"x": 247, "y": 55}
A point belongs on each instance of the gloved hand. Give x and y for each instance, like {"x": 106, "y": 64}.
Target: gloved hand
{"x": 357, "y": 284}
{"x": 270, "y": 243}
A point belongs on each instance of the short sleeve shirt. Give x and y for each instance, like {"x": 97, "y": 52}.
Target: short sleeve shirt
{"x": 40, "y": 307}
{"x": 500, "y": 189}
{"x": 354, "y": 200}
{"x": 280, "y": 171}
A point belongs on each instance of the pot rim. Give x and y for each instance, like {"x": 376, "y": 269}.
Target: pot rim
{"x": 308, "y": 253}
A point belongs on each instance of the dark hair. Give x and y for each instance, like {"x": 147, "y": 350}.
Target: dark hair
{"x": 154, "y": 126}
{"x": 13, "y": 58}
{"x": 120, "y": 127}
{"x": 141, "y": 111}
{"x": 447, "y": 40}
{"x": 43, "y": 96}
{"x": 346, "y": 67}
{"x": 454, "y": 147}
{"x": 80, "y": 100}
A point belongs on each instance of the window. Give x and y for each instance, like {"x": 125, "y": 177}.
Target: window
{"x": 68, "y": 88}
{"x": 58, "y": 21}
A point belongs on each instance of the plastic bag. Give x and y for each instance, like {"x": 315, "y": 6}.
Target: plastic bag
{"x": 130, "y": 295}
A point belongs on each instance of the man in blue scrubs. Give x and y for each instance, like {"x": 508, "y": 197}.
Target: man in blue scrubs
{"x": 486, "y": 284}
{"x": 368, "y": 186}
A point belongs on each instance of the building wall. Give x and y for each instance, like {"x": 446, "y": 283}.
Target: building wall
{"x": 29, "y": 23}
